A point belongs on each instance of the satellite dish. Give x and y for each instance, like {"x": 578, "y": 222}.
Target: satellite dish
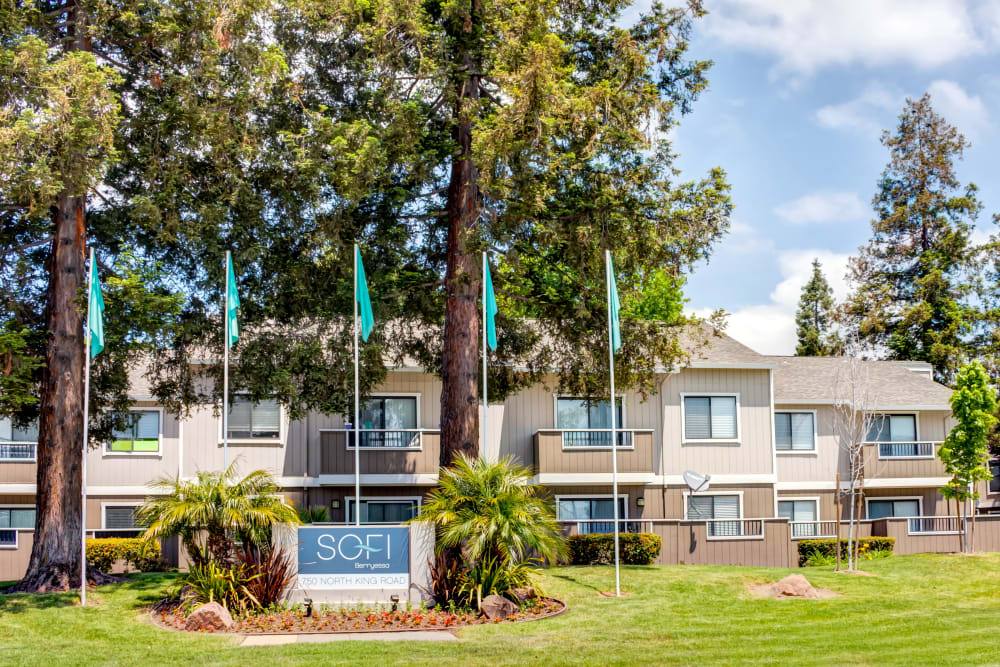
{"x": 695, "y": 481}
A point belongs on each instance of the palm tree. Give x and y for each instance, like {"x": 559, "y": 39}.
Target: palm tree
{"x": 216, "y": 507}
{"x": 491, "y": 510}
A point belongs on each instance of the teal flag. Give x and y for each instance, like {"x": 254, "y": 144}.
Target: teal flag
{"x": 95, "y": 312}
{"x": 490, "y": 302}
{"x": 615, "y": 307}
{"x": 364, "y": 301}
{"x": 232, "y": 304}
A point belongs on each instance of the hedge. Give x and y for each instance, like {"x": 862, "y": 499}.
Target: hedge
{"x": 827, "y": 547}
{"x": 143, "y": 555}
{"x": 599, "y": 548}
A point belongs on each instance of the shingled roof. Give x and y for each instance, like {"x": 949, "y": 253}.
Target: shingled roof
{"x": 892, "y": 383}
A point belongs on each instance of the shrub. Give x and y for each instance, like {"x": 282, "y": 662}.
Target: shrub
{"x": 313, "y": 514}
{"x": 817, "y": 558}
{"x": 599, "y": 548}
{"x": 142, "y": 554}
{"x": 215, "y": 583}
{"x": 267, "y": 572}
{"x": 495, "y": 576}
{"x": 827, "y": 547}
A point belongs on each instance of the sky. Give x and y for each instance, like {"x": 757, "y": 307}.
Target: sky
{"x": 797, "y": 100}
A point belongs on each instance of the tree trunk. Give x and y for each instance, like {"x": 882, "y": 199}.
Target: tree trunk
{"x": 836, "y": 498}
{"x": 55, "y": 553}
{"x": 460, "y": 367}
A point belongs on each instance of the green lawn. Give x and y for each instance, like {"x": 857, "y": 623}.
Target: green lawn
{"x": 926, "y": 609}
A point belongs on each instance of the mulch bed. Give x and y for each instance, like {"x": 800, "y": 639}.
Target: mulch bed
{"x": 362, "y": 620}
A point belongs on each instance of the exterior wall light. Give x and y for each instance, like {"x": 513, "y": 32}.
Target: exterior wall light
{"x": 640, "y": 502}
{"x": 335, "y": 504}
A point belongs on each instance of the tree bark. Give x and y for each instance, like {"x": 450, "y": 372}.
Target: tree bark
{"x": 55, "y": 553}
{"x": 460, "y": 367}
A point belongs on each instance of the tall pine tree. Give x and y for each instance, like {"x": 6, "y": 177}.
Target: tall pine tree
{"x": 814, "y": 318}
{"x": 912, "y": 280}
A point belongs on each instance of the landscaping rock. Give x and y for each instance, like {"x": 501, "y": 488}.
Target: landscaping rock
{"x": 795, "y": 586}
{"x": 523, "y": 594}
{"x": 495, "y": 606}
{"x": 211, "y": 616}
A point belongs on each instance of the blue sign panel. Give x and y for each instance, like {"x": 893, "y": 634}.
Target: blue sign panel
{"x": 353, "y": 557}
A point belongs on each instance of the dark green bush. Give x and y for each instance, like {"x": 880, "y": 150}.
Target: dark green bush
{"x": 827, "y": 547}
{"x": 143, "y": 555}
{"x": 599, "y": 548}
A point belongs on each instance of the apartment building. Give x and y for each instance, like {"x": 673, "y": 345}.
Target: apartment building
{"x": 765, "y": 428}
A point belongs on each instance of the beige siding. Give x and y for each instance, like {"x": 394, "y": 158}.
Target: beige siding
{"x": 534, "y": 408}
{"x": 932, "y": 502}
{"x": 18, "y": 473}
{"x": 551, "y": 457}
{"x": 104, "y": 469}
{"x": 829, "y": 457}
{"x": 337, "y": 459}
{"x": 758, "y": 499}
{"x": 752, "y": 455}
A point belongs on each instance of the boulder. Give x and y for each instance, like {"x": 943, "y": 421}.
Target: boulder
{"x": 212, "y": 616}
{"x": 795, "y": 586}
{"x": 495, "y": 606}
{"x": 523, "y": 594}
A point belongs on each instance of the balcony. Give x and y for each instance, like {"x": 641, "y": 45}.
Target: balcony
{"x": 734, "y": 529}
{"x": 567, "y": 452}
{"x": 902, "y": 459}
{"x": 382, "y": 451}
{"x": 19, "y": 452}
{"x": 807, "y": 530}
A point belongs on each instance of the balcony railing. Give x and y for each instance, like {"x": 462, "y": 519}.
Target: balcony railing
{"x": 906, "y": 450}
{"x": 585, "y": 438}
{"x": 809, "y": 529}
{"x": 8, "y": 539}
{"x": 601, "y": 526}
{"x": 728, "y": 529}
{"x": 116, "y": 533}
{"x": 17, "y": 452}
{"x": 933, "y": 525}
{"x": 385, "y": 439}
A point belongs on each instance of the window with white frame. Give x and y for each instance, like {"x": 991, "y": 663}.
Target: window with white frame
{"x": 120, "y": 517}
{"x": 794, "y": 432}
{"x": 710, "y": 418}
{"x": 893, "y": 507}
{"x": 595, "y": 514}
{"x": 722, "y": 512}
{"x": 893, "y": 428}
{"x": 141, "y": 433}
{"x": 577, "y": 416}
{"x": 385, "y": 510}
{"x": 797, "y": 511}
{"x": 392, "y": 421}
{"x": 17, "y": 443}
{"x": 249, "y": 420}
{"x": 17, "y": 517}
{"x": 995, "y": 481}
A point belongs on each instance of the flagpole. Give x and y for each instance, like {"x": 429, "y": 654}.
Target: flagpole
{"x": 357, "y": 402}
{"x": 486, "y": 399}
{"x": 225, "y": 374}
{"x": 86, "y": 424}
{"x": 614, "y": 434}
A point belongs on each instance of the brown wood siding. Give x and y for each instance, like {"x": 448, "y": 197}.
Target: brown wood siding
{"x": 551, "y": 457}
{"x": 876, "y": 468}
{"x": 18, "y": 473}
{"x": 337, "y": 459}
{"x": 686, "y": 543}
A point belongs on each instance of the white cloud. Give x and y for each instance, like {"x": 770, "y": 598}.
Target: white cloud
{"x": 964, "y": 111}
{"x": 807, "y": 35}
{"x": 865, "y": 114}
{"x": 822, "y": 206}
{"x": 769, "y": 328}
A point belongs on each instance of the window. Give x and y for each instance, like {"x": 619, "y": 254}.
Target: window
{"x": 995, "y": 482}
{"x": 254, "y": 421}
{"x": 599, "y": 512}
{"x": 710, "y": 418}
{"x": 385, "y": 511}
{"x": 141, "y": 433}
{"x": 16, "y": 443}
{"x": 578, "y": 415}
{"x": 794, "y": 432}
{"x": 393, "y": 419}
{"x": 799, "y": 511}
{"x": 9, "y": 433}
{"x": 716, "y": 510}
{"x": 119, "y": 517}
{"x": 880, "y": 509}
{"x": 893, "y": 428}
{"x": 16, "y": 517}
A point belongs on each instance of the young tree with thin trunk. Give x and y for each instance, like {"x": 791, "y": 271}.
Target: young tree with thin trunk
{"x": 912, "y": 282}
{"x": 853, "y": 420}
{"x": 965, "y": 452}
